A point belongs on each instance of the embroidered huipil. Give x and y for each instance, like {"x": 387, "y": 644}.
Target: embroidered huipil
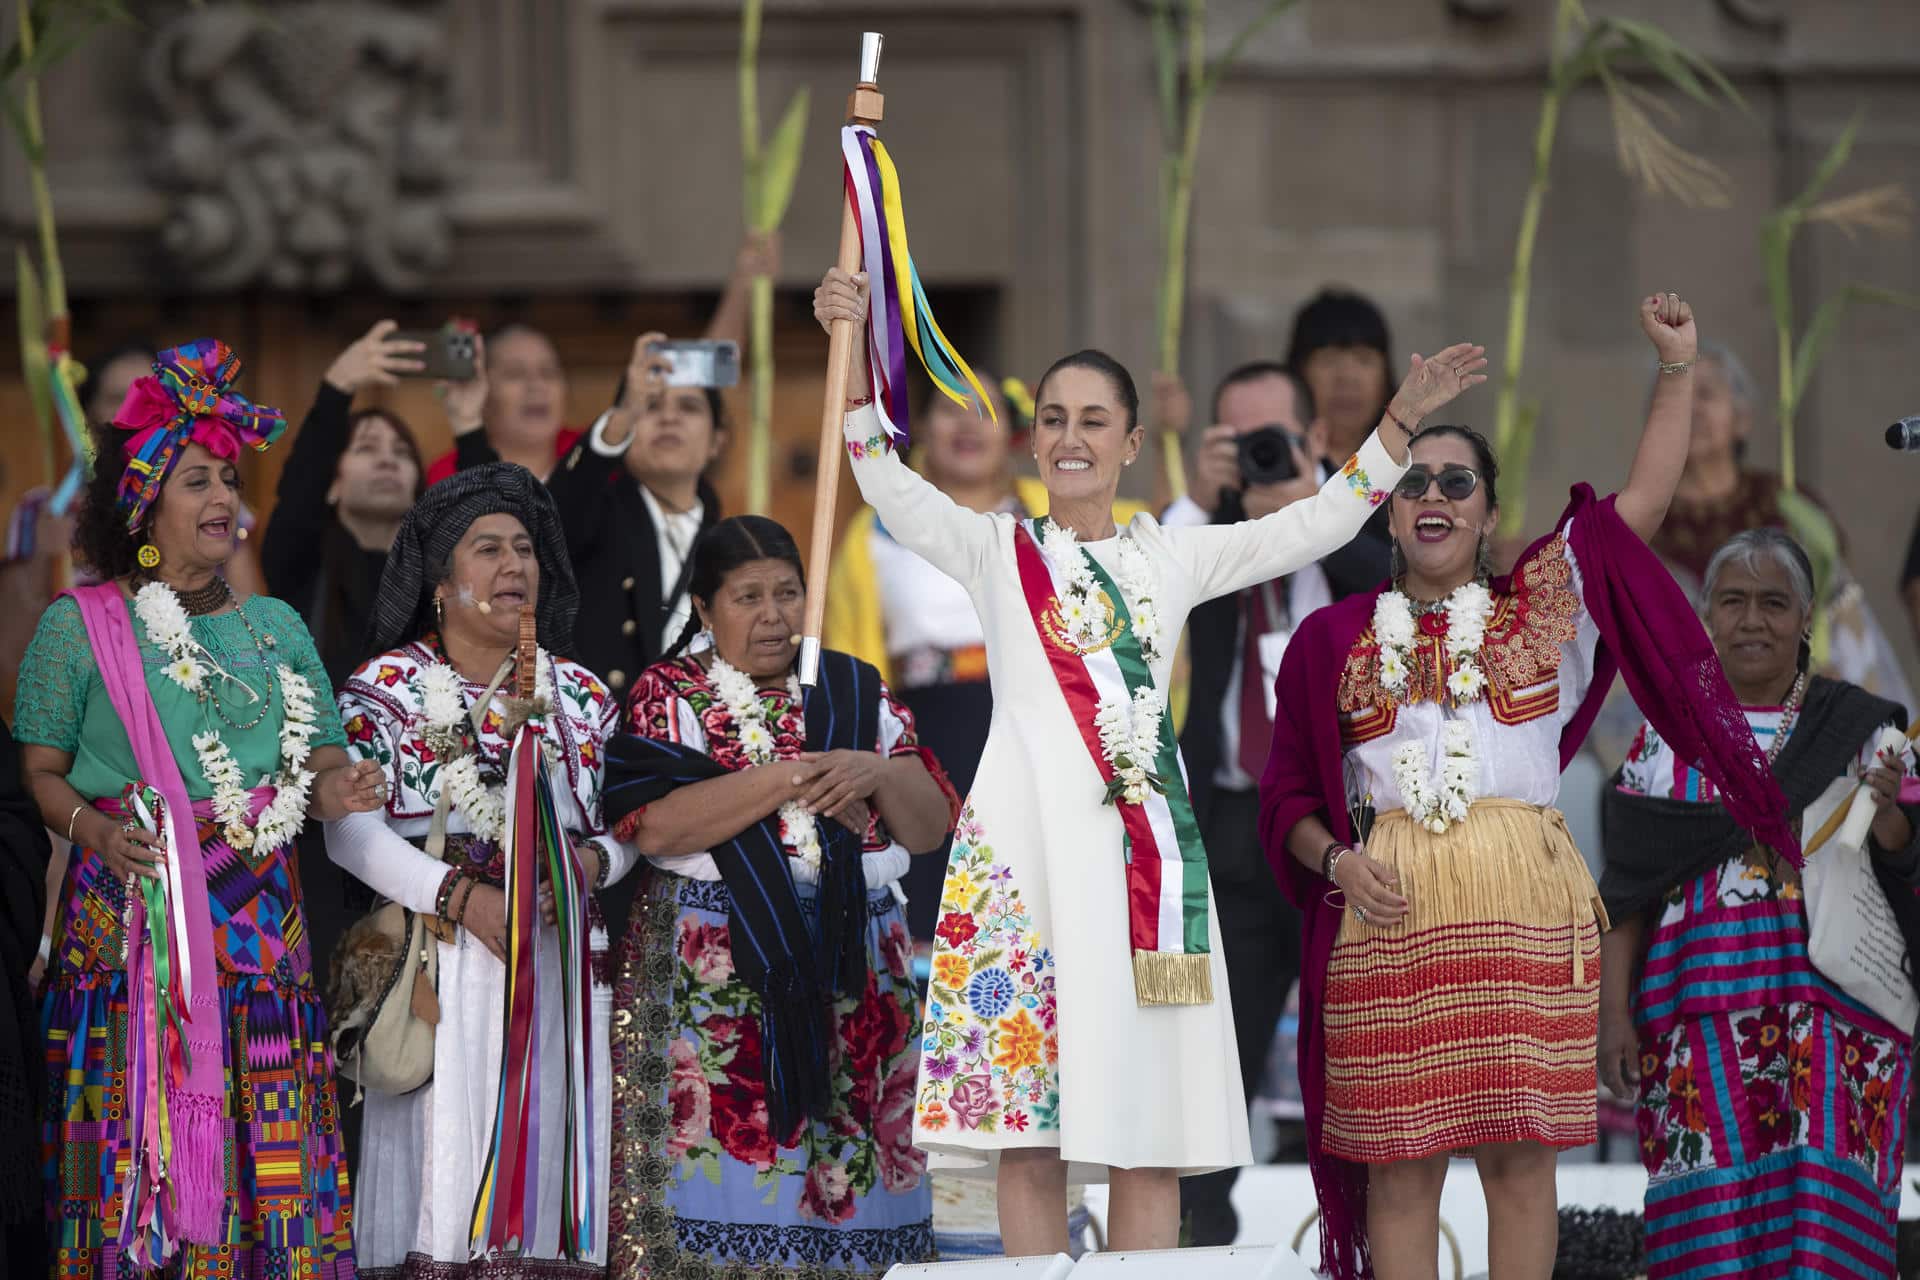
{"x": 1538, "y": 660}
{"x": 422, "y": 1152}
{"x": 1033, "y": 1035}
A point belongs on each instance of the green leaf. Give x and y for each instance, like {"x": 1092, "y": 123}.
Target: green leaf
{"x": 1814, "y": 530}
{"x": 1826, "y": 319}
{"x": 780, "y": 163}
{"x": 1682, "y": 67}
{"x": 1235, "y": 47}
{"x": 37, "y": 372}
{"x": 1830, "y": 164}
{"x": 1516, "y": 459}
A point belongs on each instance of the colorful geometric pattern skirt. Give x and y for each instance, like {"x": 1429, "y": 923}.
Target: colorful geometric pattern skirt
{"x": 288, "y": 1214}
{"x": 700, "y": 1184}
{"x": 1773, "y": 1107}
{"x": 1472, "y": 1019}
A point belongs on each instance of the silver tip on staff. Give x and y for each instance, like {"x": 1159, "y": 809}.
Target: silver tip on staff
{"x": 870, "y": 42}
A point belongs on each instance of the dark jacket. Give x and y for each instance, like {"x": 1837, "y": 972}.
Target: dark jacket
{"x": 310, "y": 559}
{"x": 1213, "y": 627}
{"x": 616, "y": 560}
{"x": 24, "y": 852}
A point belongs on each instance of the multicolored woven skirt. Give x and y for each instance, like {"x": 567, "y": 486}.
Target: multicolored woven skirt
{"x": 1473, "y": 1019}
{"x": 1773, "y": 1108}
{"x": 288, "y": 1213}
{"x": 700, "y": 1185}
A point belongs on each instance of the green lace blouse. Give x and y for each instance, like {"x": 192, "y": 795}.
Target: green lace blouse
{"x": 61, "y": 703}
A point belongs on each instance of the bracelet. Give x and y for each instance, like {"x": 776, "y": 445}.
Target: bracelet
{"x": 1330, "y": 858}
{"x": 448, "y": 883}
{"x": 1675, "y": 366}
{"x": 860, "y": 403}
{"x": 71, "y": 817}
{"x": 1395, "y": 420}
{"x": 459, "y": 909}
{"x": 606, "y": 867}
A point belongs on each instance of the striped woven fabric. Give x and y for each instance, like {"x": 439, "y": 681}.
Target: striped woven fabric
{"x": 1474, "y": 1020}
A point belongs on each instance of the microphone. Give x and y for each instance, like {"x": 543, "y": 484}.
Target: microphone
{"x": 1904, "y": 435}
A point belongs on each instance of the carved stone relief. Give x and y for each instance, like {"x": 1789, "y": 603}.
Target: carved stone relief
{"x": 301, "y": 142}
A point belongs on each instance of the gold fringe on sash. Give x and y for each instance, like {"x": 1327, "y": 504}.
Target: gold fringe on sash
{"x": 1172, "y": 977}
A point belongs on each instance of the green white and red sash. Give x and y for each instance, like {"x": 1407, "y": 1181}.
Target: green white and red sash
{"x": 1165, "y": 860}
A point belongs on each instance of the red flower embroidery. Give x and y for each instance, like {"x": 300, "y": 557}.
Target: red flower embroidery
{"x": 956, "y": 928}
{"x": 706, "y": 949}
{"x": 1772, "y": 1118}
{"x": 388, "y": 675}
{"x": 690, "y": 1099}
{"x": 1684, "y": 1105}
{"x": 359, "y": 729}
{"x": 901, "y": 1163}
{"x": 1764, "y": 1036}
{"x": 827, "y": 1193}
{"x": 1800, "y": 1072}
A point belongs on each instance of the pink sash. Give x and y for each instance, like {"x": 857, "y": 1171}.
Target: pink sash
{"x": 179, "y": 1195}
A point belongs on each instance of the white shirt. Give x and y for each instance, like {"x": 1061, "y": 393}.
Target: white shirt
{"x": 675, "y": 530}
{"x": 1307, "y": 590}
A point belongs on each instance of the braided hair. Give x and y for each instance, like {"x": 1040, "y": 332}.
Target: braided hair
{"x": 729, "y": 544}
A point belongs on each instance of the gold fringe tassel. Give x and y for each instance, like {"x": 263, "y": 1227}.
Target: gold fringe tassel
{"x": 1172, "y": 977}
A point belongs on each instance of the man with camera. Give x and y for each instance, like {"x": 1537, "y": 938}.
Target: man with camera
{"x": 1253, "y": 461}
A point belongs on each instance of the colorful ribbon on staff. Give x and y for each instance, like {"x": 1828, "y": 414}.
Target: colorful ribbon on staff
{"x": 65, "y": 374}
{"x": 159, "y": 986}
{"x": 506, "y": 1206}
{"x": 898, "y": 316}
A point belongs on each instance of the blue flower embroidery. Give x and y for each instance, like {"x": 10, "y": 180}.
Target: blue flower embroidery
{"x": 990, "y": 992}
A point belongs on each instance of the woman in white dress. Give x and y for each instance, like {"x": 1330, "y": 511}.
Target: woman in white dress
{"x": 469, "y": 555}
{"x": 1078, "y": 1015}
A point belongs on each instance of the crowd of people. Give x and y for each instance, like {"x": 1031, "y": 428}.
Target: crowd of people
{"x": 1011, "y": 899}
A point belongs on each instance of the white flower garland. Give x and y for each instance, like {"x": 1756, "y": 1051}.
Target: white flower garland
{"x": 1081, "y": 612}
{"x": 1437, "y": 805}
{"x": 799, "y": 830}
{"x": 1130, "y": 740}
{"x": 189, "y": 665}
{"x": 1468, "y": 608}
{"x": 443, "y": 706}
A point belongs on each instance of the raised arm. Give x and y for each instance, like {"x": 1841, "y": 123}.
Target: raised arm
{"x": 1668, "y": 323}
{"x": 1225, "y": 558}
{"x": 918, "y": 516}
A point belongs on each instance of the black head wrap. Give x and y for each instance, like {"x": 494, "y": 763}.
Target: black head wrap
{"x": 423, "y": 552}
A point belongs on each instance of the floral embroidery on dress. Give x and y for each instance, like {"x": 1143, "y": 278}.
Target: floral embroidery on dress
{"x": 872, "y": 447}
{"x": 1520, "y": 654}
{"x": 990, "y": 1045}
{"x": 1358, "y": 481}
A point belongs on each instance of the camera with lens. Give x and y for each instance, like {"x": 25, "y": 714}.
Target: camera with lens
{"x": 1266, "y": 456}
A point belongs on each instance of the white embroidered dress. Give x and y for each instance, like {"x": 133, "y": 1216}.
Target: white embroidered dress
{"x": 421, "y": 1153}
{"x": 1033, "y": 1036}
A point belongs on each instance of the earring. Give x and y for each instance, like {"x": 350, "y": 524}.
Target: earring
{"x": 148, "y": 556}
{"x": 1483, "y": 559}
{"x": 440, "y": 612}
{"x": 1396, "y": 563}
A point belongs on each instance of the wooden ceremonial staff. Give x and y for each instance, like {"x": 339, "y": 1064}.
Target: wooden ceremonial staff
{"x": 864, "y": 106}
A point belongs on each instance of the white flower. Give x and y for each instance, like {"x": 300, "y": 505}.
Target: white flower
{"x": 1393, "y": 671}
{"x": 1438, "y": 803}
{"x": 754, "y": 738}
{"x": 1466, "y": 682}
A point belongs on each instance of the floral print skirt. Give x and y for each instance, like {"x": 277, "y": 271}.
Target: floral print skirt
{"x": 1772, "y": 1110}
{"x": 700, "y": 1185}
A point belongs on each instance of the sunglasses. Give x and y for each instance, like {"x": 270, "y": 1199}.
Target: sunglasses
{"x": 1457, "y": 483}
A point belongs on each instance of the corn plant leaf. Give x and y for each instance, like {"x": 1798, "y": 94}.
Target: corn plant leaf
{"x": 35, "y": 371}
{"x": 1830, "y": 164}
{"x": 1814, "y": 530}
{"x": 1776, "y": 246}
{"x": 1235, "y": 47}
{"x": 1826, "y": 320}
{"x": 1516, "y": 459}
{"x": 1686, "y": 70}
{"x": 780, "y": 163}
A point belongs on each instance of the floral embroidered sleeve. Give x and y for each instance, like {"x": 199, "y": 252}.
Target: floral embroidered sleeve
{"x": 1223, "y": 558}
{"x": 917, "y": 515}
{"x": 653, "y": 708}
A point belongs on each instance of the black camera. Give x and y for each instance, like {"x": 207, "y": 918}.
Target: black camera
{"x": 1266, "y": 456}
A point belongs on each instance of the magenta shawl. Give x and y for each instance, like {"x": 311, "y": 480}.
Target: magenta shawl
{"x": 1649, "y": 634}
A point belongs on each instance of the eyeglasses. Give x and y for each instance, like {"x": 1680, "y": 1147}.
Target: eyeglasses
{"x": 1457, "y": 483}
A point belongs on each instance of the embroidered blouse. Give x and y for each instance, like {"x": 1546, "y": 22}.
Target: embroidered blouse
{"x": 675, "y": 701}
{"x": 1537, "y": 656}
{"x": 381, "y": 711}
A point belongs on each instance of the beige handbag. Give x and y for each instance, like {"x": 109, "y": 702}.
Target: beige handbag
{"x": 383, "y": 999}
